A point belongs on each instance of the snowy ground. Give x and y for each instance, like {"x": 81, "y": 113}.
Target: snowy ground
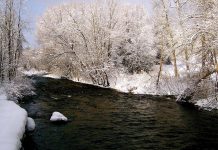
{"x": 12, "y": 124}
{"x": 136, "y": 84}
{"x": 145, "y": 83}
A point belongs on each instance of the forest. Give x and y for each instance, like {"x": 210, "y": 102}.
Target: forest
{"x": 105, "y": 42}
{"x": 168, "y": 51}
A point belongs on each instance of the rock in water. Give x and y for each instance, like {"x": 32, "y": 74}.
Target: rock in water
{"x": 57, "y": 117}
{"x": 30, "y": 126}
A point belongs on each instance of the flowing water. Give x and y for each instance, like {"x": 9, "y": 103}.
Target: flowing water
{"x": 106, "y": 119}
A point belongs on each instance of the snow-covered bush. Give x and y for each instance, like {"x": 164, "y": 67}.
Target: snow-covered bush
{"x": 206, "y": 89}
{"x": 172, "y": 86}
{"x": 18, "y": 88}
{"x": 166, "y": 59}
{"x": 209, "y": 103}
{"x": 137, "y": 62}
{"x": 30, "y": 60}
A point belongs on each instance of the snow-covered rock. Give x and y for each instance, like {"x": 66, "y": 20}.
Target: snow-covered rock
{"x": 12, "y": 124}
{"x": 30, "y": 125}
{"x": 56, "y": 116}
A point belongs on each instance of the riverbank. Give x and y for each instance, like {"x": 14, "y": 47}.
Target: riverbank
{"x": 145, "y": 84}
{"x": 141, "y": 83}
{"x": 12, "y": 124}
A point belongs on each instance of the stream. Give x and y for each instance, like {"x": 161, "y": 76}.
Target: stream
{"x": 102, "y": 118}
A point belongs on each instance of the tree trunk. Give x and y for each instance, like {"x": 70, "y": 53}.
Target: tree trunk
{"x": 175, "y": 64}
{"x": 161, "y": 63}
{"x": 179, "y": 11}
{"x": 204, "y": 53}
{"x": 169, "y": 31}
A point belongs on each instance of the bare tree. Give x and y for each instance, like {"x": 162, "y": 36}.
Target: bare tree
{"x": 11, "y": 36}
{"x": 86, "y": 38}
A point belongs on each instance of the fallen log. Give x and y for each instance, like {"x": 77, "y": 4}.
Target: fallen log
{"x": 188, "y": 94}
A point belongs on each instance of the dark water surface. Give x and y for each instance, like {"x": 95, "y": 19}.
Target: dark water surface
{"x": 105, "y": 119}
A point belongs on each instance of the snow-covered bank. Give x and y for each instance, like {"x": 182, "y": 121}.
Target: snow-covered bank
{"x": 52, "y": 76}
{"x": 207, "y": 104}
{"x": 145, "y": 83}
{"x": 34, "y": 72}
{"x": 142, "y": 83}
{"x": 136, "y": 84}
{"x": 12, "y": 124}
{"x": 43, "y": 73}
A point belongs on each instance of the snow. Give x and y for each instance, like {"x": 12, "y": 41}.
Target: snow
{"x": 57, "y": 116}
{"x": 207, "y": 104}
{"x": 136, "y": 83}
{"x": 2, "y": 95}
{"x": 52, "y": 76}
{"x": 12, "y": 124}
{"x": 34, "y": 72}
{"x": 30, "y": 124}
{"x": 145, "y": 83}
{"x": 43, "y": 73}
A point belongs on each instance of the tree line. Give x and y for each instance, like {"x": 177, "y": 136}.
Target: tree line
{"x": 186, "y": 31}
{"x": 90, "y": 40}
{"x": 11, "y": 38}
{"x": 94, "y": 40}
{"x": 186, "y": 28}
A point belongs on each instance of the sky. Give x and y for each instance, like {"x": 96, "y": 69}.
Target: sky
{"x": 35, "y": 8}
